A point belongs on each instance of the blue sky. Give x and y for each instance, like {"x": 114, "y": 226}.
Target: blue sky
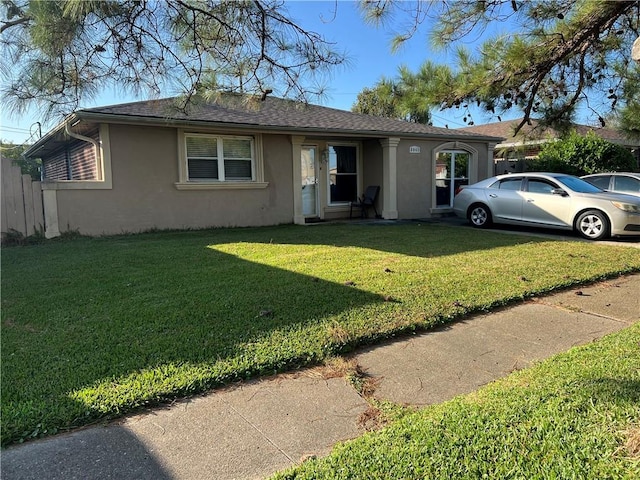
{"x": 367, "y": 47}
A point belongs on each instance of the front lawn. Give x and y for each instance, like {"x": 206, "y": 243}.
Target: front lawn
{"x": 574, "y": 416}
{"x": 93, "y": 328}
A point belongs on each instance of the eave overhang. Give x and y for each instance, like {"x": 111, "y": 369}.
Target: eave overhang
{"x": 81, "y": 121}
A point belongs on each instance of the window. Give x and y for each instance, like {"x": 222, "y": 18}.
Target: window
{"x": 601, "y": 182}
{"x": 626, "y": 184}
{"x": 343, "y": 173}
{"x": 219, "y": 158}
{"x": 540, "y": 186}
{"x": 508, "y": 184}
{"x": 452, "y": 172}
{"x": 76, "y": 161}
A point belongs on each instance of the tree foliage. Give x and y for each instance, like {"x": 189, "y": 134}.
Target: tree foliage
{"x": 403, "y": 99}
{"x": 565, "y": 55}
{"x": 59, "y": 53}
{"x": 629, "y": 117}
{"x": 28, "y": 166}
{"x": 382, "y": 100}
{"x": 584, "y": 154}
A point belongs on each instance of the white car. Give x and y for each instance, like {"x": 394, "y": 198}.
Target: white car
{"x": 621, "y": 182}
{"x": 551, "y": 200}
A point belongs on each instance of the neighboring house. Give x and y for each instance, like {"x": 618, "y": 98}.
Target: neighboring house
{"x": 511, "y": 155}
{"x": 241, "y": 162}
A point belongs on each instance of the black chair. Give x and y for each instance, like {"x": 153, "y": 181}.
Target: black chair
{"x": 368, "y": 200}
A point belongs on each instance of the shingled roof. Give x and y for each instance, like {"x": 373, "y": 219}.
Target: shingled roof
{"x": 248, "y": 112}
{"x": 272, "y": 113}
{"x": 536, "y": 133}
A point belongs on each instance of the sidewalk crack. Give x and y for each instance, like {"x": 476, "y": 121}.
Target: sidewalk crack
{"x": 260, "y": 432}
{"x": 573, "y": 309}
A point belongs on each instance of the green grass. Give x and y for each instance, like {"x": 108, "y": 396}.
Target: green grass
{"x": 93, "y": 328}
{"x": 574, "y": 416}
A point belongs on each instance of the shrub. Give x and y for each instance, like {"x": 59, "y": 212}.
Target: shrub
{"x": 583, "y": 155}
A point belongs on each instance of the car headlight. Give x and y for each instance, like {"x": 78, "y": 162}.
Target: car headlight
{"x": 627, "y": 207}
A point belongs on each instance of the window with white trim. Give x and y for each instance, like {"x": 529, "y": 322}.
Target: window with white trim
{"x": 218, "y": 158}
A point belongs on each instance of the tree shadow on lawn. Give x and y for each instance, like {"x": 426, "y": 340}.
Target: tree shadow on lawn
{"x": 109, "y": 342}
{"x": 127, "y": 332}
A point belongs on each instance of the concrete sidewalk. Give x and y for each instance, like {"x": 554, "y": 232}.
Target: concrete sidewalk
{"x": 257, "y": 428}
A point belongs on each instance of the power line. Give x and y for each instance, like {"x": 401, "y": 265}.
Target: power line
{"x": 14, "y": 129}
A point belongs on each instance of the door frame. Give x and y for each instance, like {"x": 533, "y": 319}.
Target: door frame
{"x": 316, "y": 168}
{"x": 472, "y": 169}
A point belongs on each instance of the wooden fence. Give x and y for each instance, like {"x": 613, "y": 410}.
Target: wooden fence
{"x": 22, "y": 209}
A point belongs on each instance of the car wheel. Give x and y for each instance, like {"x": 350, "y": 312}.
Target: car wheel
{"x": 593, "y": 225}
{"x": 479, "y": 216}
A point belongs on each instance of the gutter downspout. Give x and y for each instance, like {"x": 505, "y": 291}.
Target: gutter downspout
{"x": 93, "y": 141}
{"x": 50, "y": 196}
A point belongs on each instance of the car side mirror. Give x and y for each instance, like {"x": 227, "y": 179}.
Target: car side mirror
{"x": 559, "y": 191}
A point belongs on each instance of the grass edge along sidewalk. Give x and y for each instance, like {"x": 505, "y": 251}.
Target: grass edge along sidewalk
{"x": 128, "y": 322}
{"x": 575, "y": 415}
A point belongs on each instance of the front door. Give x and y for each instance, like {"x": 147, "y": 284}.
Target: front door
{"x": 452, "y": 171}
{"x": 309, "y": 182}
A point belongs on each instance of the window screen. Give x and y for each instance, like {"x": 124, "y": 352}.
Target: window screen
{"x": 202, "y": 158}
{"x": 219, "y": 158}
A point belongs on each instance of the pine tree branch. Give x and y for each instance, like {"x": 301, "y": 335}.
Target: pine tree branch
{"x": 13, "y": 23}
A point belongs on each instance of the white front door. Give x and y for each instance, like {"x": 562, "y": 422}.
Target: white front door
{"x": 309, "y": 169}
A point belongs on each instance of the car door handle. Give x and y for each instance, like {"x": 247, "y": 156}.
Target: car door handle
{"x": 530, "y": 200}
{"x": 493, "y": 195}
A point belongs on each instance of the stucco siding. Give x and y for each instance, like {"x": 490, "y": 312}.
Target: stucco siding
{"x": 414, "y": 179}
{"x": 372, "y": 168}
{"x": 415, "y": 174}
{"x": 145, "y": 169}
{"x": 372, "y": 163}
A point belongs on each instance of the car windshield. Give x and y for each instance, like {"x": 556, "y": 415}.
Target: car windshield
{"x": 579, "y": 185}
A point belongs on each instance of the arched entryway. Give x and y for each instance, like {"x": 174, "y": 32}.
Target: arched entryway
{"x": 454, "y": 164}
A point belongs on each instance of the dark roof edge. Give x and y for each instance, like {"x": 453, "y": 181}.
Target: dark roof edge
{"x": 92, "y": 115}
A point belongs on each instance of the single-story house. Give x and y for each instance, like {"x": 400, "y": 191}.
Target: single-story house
{"x": 240, "y": 161}
{"x": 512, "y": 153}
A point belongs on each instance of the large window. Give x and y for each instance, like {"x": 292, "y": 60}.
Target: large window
{"x": 219, "y": 158}
{"x": 343, "y": 173}
{"x": 452, "y": 171}
{"x": 77, "y": 161}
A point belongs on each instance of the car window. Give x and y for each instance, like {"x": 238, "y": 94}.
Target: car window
{"x": 538, "y": 185}
{"x": 508, "y": 183}
{"x": 626, "y": 184}
{"x": 577, "y": 184}
{"x": 601, "y": 182}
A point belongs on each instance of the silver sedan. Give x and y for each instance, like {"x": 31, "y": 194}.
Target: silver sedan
{"x": 551, "y": 200}
{"x": 621, "y": 182}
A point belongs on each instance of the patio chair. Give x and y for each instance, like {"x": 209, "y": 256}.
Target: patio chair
{"x": 368, "y": 200}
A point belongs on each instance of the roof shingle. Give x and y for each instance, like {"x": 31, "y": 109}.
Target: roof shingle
{"x": 271, "y": 113}
{"x": 535, "y": 132}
